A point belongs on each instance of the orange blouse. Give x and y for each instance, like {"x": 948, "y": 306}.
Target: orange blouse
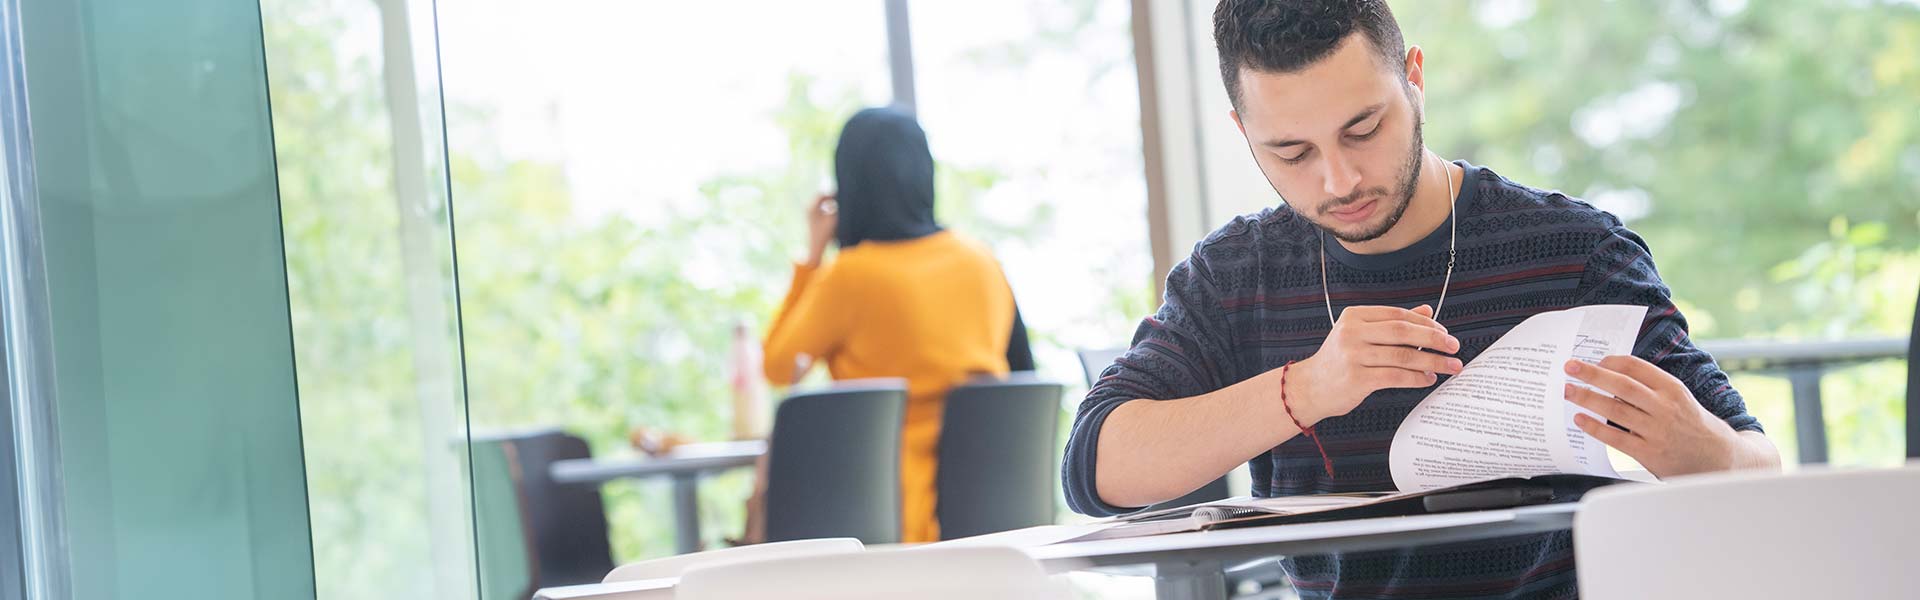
{"x": 935, "y": 310}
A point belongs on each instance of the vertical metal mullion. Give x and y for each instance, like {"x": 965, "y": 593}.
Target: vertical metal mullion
{"x": 1913, "y": 387}
{"x": 1152, "y": 152}
{"x": 13, "y": 566}
{"x": 900, "y": 55}
{"x": 1809, "y": 417}
{"x": 33, "y": 562}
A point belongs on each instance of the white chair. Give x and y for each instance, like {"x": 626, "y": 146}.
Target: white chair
{"x": 1811, "y": 534}
{"x": 674, "y": 566}
{"x": 654, "y": 579}
{"x": 924, "y": 573}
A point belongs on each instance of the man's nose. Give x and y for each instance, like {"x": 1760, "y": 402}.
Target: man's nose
{"x": 1339, "y": 175}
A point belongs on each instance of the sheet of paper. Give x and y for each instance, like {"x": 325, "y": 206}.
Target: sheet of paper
{"x": 1506, "y": 413}
{"x": 1606, "y": 330}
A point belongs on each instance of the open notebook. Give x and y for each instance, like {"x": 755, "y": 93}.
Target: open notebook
{"x": 1499, "y": 434}
{"x": 1503, "y": 492}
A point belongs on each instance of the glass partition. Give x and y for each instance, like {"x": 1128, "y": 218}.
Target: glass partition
{"x": 175, "y": 458}
{"x": 369, "y": 245}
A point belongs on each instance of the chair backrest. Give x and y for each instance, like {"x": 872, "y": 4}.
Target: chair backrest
{"x": 1095, "y": 360}
{"x": 926, "y": 573}
{"x": 1913, "y": 386}
{"x": 565, "y": 526}
{"x": 674, "y": 566}
{"x": 833, "y": 463}
{"x": 997, "y": 466}
{"x": 1812, "y": 534}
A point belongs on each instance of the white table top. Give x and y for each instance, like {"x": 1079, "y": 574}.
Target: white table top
{"x": 1224, "y": 546}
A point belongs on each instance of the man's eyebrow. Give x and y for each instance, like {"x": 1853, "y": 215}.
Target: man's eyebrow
{"x": 1364, "y": 114}
{"x": 1368, "y": 112}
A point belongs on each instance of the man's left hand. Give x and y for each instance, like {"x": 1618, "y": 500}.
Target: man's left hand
{"x": 1667, "y": 430}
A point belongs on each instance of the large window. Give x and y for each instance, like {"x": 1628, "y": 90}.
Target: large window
{"x": 627, "y": 183}
{"x": 629, "y": 179}
{"x": 1033, "y": 109}
{"x": 356, "y": 119}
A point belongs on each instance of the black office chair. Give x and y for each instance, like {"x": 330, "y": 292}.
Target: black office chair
{"x": 996, "y": 453}
{"x": 833, "y": 463}
{"x": 561, "y": 529}
{"x": 1092, "y": 363}
{"x": 1913, "y": 386}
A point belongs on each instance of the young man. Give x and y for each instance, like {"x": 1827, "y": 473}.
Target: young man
{"x": 1376, "y": 235}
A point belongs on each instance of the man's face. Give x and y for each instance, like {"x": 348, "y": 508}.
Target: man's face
{"x": 1339, "y": 140}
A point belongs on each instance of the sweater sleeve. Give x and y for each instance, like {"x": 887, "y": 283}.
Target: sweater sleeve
{"x": 812, "y": 321}
{"x": 1177, "y": 353}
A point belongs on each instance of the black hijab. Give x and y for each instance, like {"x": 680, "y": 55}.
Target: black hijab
{"x": 885, "y": 175}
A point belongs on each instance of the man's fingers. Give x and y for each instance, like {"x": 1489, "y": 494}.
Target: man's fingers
{"x": 1402, "y": 357}
{"x": 1646, "y": 373}
{"x": 1394, "y": 377}
{"x": 1373, "y": 314}
{"x": 1608, "y": 407}
{"x": 1403, "y": 333}
{"x": 1613, "y": 382}
{"x": 1627, "y": 442}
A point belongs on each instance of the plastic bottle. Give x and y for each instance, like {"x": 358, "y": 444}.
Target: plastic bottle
{"x": 748, "y": 385}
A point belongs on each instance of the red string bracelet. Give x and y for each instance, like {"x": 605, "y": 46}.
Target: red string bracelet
{"x": 1325, "y": 460}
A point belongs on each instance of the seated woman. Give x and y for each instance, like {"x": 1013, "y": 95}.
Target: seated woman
{"x": 905, "y": 297}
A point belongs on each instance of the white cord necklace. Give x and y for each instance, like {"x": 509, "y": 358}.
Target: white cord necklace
{"x": 1453, "y": 217}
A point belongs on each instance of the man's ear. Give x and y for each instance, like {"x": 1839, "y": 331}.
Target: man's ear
{"x": 1417, "y": 76}
{"x": 1236, "y": 121}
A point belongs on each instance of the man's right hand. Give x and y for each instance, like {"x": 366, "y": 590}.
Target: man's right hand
{"x": 1371, "y": 348}
{"x": 1147, "y": 450}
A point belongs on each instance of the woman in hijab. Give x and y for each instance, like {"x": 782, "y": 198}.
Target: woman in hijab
{"x": 904, "y": 298}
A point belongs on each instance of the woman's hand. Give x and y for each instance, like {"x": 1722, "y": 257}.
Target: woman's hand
{"x": 823, "y": 216}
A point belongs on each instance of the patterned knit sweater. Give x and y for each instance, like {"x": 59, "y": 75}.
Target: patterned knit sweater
{"x": 1249, "y": 300}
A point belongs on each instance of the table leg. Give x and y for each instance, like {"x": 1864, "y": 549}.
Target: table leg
{"x": 1184, "y": 580}
{"x": 686, "y": 512}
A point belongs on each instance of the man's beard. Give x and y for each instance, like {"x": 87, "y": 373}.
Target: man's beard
{"x": 1397, "y": 201}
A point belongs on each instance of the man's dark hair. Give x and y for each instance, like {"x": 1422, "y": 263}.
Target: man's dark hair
{"x": 1285, "y": 36}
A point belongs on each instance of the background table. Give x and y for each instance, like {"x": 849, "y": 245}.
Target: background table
{"x": 685, "y": 464}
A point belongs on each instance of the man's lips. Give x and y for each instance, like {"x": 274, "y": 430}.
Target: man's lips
{"x": 1356, "y": 213}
